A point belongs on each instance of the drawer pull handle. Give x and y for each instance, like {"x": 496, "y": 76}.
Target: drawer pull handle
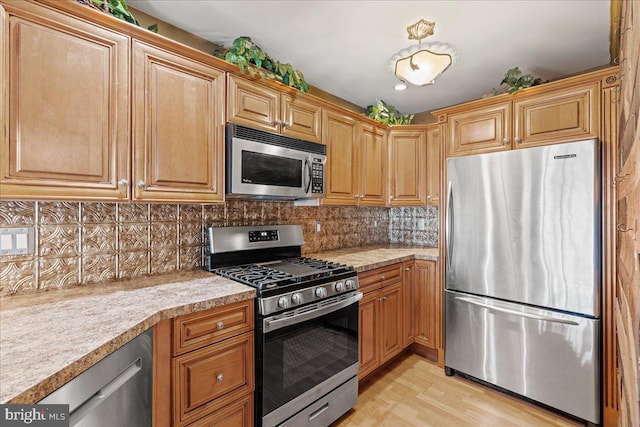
{"x": 220, "y": 326}
{"x": 382, "y": 277}
{"x": 220, "y": 377}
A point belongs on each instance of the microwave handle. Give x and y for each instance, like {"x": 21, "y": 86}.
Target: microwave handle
{"x": 307, "y": 169}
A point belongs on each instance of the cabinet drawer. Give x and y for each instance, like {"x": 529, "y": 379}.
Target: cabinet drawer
{"x": 207, "y": 379}
{"x": 375, "y": 279}
{"x": 197, "y": 330}
{"x": 238, "y": 414}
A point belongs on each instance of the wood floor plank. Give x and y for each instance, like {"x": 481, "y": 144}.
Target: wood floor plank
{"x": 412, "y": 391}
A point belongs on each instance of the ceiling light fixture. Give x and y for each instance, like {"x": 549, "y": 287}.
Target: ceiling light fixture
{"x": 422, "y": 63}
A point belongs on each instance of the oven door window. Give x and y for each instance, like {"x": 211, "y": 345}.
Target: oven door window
{"x": 267, "y": 169}
{"x": 299, "y": 357}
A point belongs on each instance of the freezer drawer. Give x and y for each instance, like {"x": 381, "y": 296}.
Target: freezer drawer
{"x": 550, "y": 357}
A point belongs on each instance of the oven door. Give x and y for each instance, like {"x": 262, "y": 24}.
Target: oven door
{"x": 304, "y": 354}
{"x": 264, "y": 170}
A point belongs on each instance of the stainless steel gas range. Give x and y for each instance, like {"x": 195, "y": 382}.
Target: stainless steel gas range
{"x": 306, "y": 323}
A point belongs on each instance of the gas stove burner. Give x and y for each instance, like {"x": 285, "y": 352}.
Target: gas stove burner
{"x": 253, "y": 274}
{"x": 316, "y": 263}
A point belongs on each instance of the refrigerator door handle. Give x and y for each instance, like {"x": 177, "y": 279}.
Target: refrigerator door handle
{"x": 449, "y": 227}
{"x": 517, "y": 313}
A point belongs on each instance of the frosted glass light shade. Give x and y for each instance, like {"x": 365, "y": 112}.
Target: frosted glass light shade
{"x": 421, "y": 64}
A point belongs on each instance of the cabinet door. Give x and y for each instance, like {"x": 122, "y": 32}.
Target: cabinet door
{"x": 407, "y": 165}
{"x": 369, "y": 345}
{"x": 481, "y": 130}
{"x": 64, "y": 107}
{"x": 301, "y": 118}
{"x": 391, "y": 321}
{"x": 427, "y": 297}
{"x": 372, "y": 161}
{"x": 252, "y": 104}
{"x": 339, "y": 133}
{"x": 563, "y": 115}
{"x": 178, "y": 127}
{"x": 409, "y": 305}
{"x": 433, "y": 165}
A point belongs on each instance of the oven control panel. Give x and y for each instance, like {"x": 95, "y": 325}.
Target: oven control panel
{"x": 280, "y": 302}
{"x": 263, "y": 236}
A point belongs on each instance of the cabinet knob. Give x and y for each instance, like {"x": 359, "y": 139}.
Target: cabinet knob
{"x": 220, "y": 377}
{"x": 407, "y": 269}
{"x": 383, "y": 299}
{"x": 141, "y": 184}
{"x": 220, "y": 325}
{"x": 382, "y": 277}
{"x": 428, "y": 197}
{"x": 123, "y": 182}
{"x": 277, "y": 122}
{"x": 285, "y": 124}
{"x": 506, "y": 141}
{"x": 517, "y": 140}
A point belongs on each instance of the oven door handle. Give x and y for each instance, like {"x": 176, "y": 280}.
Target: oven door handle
{"x": 273, "y": 325}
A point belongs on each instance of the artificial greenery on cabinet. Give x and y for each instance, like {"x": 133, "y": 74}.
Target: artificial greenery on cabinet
{"x": 249, "y": 57}
{"x": 387, "y": 114}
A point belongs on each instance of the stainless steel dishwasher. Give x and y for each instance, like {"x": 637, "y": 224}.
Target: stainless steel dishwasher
{"x": 115, "y": 391}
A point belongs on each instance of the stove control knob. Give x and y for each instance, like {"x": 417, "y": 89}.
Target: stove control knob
{"x": 350, "y": 284}
{"x": 283, "y": 302}
{"x": 340, "y": 287}
{"x": 296, "y": 298}
{"x": 321, "y": 292}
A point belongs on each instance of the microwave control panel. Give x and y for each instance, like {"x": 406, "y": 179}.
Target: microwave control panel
{"x": 317, "y": 176}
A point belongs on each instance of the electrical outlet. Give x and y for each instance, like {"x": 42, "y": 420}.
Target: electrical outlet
{"x": 317, "y": 226}
{"x": 421, "y": 226}
{"x": 17, "y": 240}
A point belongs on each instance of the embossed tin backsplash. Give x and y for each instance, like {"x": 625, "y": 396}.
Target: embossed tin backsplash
{"x": 78, "y": 243}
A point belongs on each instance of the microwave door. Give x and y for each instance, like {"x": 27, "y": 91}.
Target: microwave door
{"x": 259, "y": 169}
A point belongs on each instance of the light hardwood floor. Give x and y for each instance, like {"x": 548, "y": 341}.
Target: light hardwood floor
{"x": 414, "y": 392}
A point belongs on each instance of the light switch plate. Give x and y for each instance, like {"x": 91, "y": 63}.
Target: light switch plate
{"x": 17, "y": 240}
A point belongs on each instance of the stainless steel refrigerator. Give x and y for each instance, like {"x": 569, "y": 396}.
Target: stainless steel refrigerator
{"x": 523, "y": 258}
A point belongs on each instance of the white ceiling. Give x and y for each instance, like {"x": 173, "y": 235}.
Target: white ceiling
{"x": 344, "y": 47}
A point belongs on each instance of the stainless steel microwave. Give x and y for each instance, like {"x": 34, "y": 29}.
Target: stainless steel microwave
{"x": 264, "y": 165}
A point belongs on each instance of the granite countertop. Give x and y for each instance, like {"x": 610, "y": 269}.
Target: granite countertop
{"x": 371, "y": 257}
{"x": 48, "y": 338}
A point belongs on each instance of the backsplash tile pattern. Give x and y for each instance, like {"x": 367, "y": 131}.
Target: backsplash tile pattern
{"x": 414, "y": 225}
{"x": 82, "y": 242}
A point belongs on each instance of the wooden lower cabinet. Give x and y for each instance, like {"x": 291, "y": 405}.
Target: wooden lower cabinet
{"x": 207, "y": 379}
{"x": 399, "y": 307}
{"x": 381, "y": 321}
{"x": 204, "y": 368}
{"x": 426, "y": 296}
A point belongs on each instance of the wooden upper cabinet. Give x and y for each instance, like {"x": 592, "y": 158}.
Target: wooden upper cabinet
{"x": 64, "y": 106}
{"x": 262, "y": 107}
{"x": 563, "y": 115}
{"x": 480, "y": 130}
{"x": 339, "y": 134}
{"x": 561, "y": 111}
{"x": 407, "y": 167}
{"x": 371, "y": 166}
{"x": 178, "y": 127}
{"x": 433, "y": 164}
{"x": 252, "y": 104}
{"x": 301, "y": 118}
